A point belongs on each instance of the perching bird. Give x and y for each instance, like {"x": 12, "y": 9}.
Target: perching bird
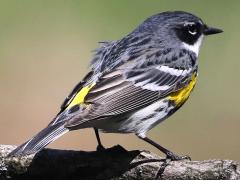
{"x": 134, "y": 83}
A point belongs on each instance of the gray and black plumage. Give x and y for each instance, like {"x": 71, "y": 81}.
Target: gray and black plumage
{"x": 134, "y": 83}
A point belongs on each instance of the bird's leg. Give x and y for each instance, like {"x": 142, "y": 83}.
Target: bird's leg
{"x": 169, "y": 154}
{"x": 99, "y": 146}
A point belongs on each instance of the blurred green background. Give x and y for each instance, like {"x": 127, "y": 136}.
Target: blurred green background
{"x": 45, "y": 48}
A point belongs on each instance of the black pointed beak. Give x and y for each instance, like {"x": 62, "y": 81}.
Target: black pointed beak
{"x": 210, "y": 30}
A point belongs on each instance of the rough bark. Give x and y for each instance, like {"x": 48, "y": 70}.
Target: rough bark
{"x": 112, "y": 163}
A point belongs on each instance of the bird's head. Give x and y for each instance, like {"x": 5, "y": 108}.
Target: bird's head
{"x": 177, "y": 29}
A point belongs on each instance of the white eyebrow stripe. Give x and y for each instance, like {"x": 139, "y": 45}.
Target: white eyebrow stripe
{"x": 188, "y": 23}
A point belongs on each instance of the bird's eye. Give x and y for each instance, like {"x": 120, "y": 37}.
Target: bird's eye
{"x": 189, "y": 32}
{"x": 192, "y": 29}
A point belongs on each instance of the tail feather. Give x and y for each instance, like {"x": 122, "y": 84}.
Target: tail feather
{"x": 42, "y": 139}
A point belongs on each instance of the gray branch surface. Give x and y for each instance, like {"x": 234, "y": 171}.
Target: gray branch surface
{"x": 112, "y": 163}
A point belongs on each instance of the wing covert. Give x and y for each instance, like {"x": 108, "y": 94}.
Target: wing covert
{"x": 124, "y": 91}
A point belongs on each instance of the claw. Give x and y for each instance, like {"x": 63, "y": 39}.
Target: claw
{"x": 175, "y": 157}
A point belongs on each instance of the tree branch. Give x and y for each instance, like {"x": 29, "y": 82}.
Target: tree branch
{"x": 112, "y": 163}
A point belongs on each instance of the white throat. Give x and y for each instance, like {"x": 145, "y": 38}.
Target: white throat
{"x": 195, "y": 47}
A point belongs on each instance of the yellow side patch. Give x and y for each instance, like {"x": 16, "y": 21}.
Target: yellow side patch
{"x": 181, "y": 96}
{"x": 80, "y": 97}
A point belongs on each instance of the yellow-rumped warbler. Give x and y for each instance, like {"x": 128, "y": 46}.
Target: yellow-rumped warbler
{"x": 134, "y": 83}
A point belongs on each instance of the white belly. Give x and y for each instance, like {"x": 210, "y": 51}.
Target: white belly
{"x": 139, "y": 122}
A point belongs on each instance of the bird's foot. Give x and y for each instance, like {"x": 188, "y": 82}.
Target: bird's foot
{"x": 170, "y": 157}
{"x": 174, "y": 157}
{"x": 100, "y": 147}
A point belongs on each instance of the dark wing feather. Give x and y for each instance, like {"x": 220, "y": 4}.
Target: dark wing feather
{"x": 124, "y": 91}
{"x": 127, "y": 99}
